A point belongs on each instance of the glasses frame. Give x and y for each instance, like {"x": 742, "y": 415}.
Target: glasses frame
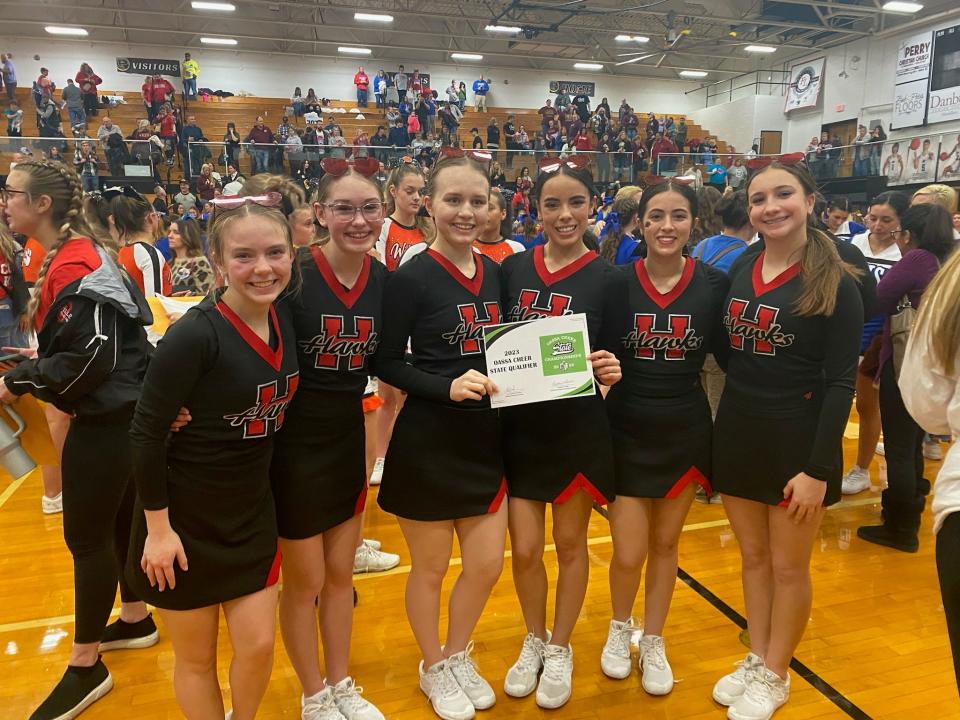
{"x": 356, "y": 209}
{"x": 6, "y": 192}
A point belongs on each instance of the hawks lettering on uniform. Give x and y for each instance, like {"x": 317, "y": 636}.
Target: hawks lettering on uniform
{"x": 269, "y": 408}
{"x": 469, "y": 333}
{"x": 674, "y": 342}
{"x": 528, "y": 306}
{"x": 334, "y": 344}
{"x": 763, "y": 328}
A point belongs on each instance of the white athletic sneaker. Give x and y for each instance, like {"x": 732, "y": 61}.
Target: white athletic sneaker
{"x": 615, "y": 658}
{"x": 368, "y": 559}
{"x": 733, "y": 685}
{"x": 932, "y": 450}
{"x": 446, "y": 696}
{"x": 556, "y": 681}
{"x": 52, "y": 505}
{"x": 879, "y": 449}
{"x": 521, "y": 678}
{"x": 763, "y": 696}
{"x": 320, "y": 706}
{"x": 375, "y": 544}
{"x": 351, "y": 705}
{"x": 464, "y": 669}
{"x": 657, "y": 673}
{"x": 376, "y": 477}
{"x": 856, "y": 480}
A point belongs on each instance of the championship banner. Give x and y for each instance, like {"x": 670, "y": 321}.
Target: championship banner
{"x": 948, "y": 170}
{"x": 944, "y": 100}
{"x": 806, "y": 80}
{"x": 572, "y": 88}
{"x": 147, "y": 66}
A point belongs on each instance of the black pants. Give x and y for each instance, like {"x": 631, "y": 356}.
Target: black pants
{"x": 948, "y": 547}
{"x": 907, "y": 490}
{"x": 98, "y": 495}
{"x": 90, "y": 103}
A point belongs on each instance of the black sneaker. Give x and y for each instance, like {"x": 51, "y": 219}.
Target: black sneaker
{"x": 121, "y": 635}
{"x": 77, "y": 690}
{"x": 902, "y": 540}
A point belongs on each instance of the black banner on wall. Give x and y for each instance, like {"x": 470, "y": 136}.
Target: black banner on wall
{"x": 148, "y": 66}
{"x": 572, "y": 88}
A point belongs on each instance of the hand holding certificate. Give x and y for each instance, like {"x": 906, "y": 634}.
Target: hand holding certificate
{"x": 547, "y": 359}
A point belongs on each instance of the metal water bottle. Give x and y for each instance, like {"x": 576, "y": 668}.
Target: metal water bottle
{"x": 13, "y": 457}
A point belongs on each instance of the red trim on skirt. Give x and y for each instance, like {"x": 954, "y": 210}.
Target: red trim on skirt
{"x": 691, "y": 475}
{"x": 580, "y": 482}
{"x": 274, "y": 576}
{"x": 498, "y": 500}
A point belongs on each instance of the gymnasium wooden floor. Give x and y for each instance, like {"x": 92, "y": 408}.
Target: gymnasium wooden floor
{"x": 876, "y": 641}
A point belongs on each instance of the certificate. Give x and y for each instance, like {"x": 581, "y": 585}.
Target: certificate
{"x": 539, "y": 360}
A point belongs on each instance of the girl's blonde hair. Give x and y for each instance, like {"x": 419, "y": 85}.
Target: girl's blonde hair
{"x": 938, "y": 317}
{"x": 942, "y": 195}
{"x": 397, "y": 175}
{"x": 62, "y": 185}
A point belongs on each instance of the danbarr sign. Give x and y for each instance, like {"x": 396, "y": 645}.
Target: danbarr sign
{"x": 148, "y": 66}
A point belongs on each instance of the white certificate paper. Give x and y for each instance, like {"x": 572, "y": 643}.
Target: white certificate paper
{"x": 539, "y": 360}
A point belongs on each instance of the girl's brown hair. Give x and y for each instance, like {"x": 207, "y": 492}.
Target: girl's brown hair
{"x": 626, "y": 210}
{"x": 938, "y": 317}
{"x": 396, "y": 177}
{"x": 821, "y": 268}
{"x": 190, "y": 235}
{"x": 62, "y": 185}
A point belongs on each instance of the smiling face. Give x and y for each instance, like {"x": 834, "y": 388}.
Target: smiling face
{"x": 779, "y": 206}
{"x": 358, "y": 234}
{"x": 564, "y": 208}
{"x": 459, "y": 203}
{"x": 256, "y": 259}
{"x": 667, "y": 222}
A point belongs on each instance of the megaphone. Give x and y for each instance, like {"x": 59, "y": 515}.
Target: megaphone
{"x": 13, "y": 457}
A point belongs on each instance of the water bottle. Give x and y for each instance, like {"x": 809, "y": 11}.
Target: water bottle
{"x": 13, "y": 457}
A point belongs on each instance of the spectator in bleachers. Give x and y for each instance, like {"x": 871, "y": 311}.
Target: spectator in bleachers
{"x": 307, "y": 175}
{"x": 293, "y": 149}
{"x": 261, "y": 141}
{"x": 449, "y": 122}
{"x": 206, "y": 183}
{"x": 284, "y": 129}
{"x": 190, "y": 271}
{"x": 44, "y": 85}
{"x": 663, "y": 144}
{"x": 877, "y": 138}
{"x": 413, "y": 125}
{"x": 480, "y": 89}
{"x": 462, "y": 95}
{"x": 631, "y": 124}
{"x": 233, "y": 175}
{"x": 826, "y": 158}
{"x": 190, "y": 71}
{"x": 313, "y": 142}
{"x": 497, "y": 178}
{"x": 421, "y": 111}
{"x": 523, "y": 139}
{"x": 603, "y": 160}
{"x": 160, "y": 199}
{"x": 452, "y": 93}
{"x": 623, "y": 158}
{"x": 379, "y": 141}
{"x": 547, "y": 113}
{"x": 402, "y": 81}
{"x": 737, "y": 174}
{"x": 146, "y": 94}
{"x": 53, "y": 155}
{"x": 861, "y": 157}
{"x": 140, "y": 142}
{"x": 111, "y": 140}
{"x": 399, "y": 138}
{"x": 9, "y": 73}
{"x": 552, "y": 135}
{"x": 361, "y": 144}
{"x": 653, "y": 125}
{"x": 72, "y": 98}
{"x": 89, "y": 81}
{"x": 185, "y": 198}
{"x": 161, "y": 91}
{"x": 331, "y": 124}
{"x": 431, "y": 104}
{"x": 561, "y": 101}
{"x": 337, "y": 143}
{"x": 362, "y": 82}
{"x": 311, "y": 103}
{"x": 581, "y": 104}
{"x": 87, "y": 165}
{"x": 510, "y": 140}
{"x": 191, "y": 158}
{"x": 14, "y": 116}
{"x": 493, "y": 137}
{"x": 296, "y": 102}
{"x": 599, "y": 122}
{"x": 582, "y": 141}
{"x": 231, "y": 144}
{"x": 380, "y": 88}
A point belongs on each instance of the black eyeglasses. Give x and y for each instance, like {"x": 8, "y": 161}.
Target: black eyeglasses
{"x": 5, "y": 194}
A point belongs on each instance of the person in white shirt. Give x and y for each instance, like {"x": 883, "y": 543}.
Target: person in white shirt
{"x": 930, "y": 387}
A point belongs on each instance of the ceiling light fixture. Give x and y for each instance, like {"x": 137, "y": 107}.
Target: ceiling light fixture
{"x": 354, "y": 50}
{"x": 503, "y": 29}
{"x": 466, "y": 56}
{"x": 588, "y": 66}
{"x": 373, "y": 17}
{"x": 760, "y": 49}
{"x": 902, "y": 7}
{"x": 58, "y": 30}
{"x": 693, "y": 73}
{"x": 217, "y": 41}
{"x": 632, "y": 38}
{"x": 219, "y": 6}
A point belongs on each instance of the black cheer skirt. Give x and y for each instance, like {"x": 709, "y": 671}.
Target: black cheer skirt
{"x": 553, "y": 449}
{"x": 660, "y": 444}
{"x": 228, "y": 528}
{"x": 443, "y": 463}
{"x": 319, "y": 473}
{"x": 756, "y": 452}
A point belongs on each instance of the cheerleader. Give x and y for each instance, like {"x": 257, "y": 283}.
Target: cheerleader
{"x": 205, "y": 529}
{"x": 402, "y": 230}
{"x": 794, "y": 318}
{"x": 660, "y": 423}
{"x": 319, "y": 471}
{"x": 443, "y": 473}
{"x": 90, "y": 363}
{"x": 493, "y": 240}
{"x": 571, "y": 466}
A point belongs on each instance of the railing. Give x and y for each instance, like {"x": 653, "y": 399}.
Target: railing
{"x": 757, "y": 82}
{"x": 129, "y": 158}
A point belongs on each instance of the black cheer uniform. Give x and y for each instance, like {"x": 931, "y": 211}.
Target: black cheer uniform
{"x": 319, "y": 473}
{"x": 790, "y": 382}
{"x": 659, "y": 416}
{"x": 553, "y": 449}
{"x": 214, "y": 473}
{"x": 444, "y": 460}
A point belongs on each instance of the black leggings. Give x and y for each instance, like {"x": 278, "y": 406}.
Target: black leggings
{"x": 906, "y": 492}
{"x": 948, "y": 548}
{"x": 98, "y": 495}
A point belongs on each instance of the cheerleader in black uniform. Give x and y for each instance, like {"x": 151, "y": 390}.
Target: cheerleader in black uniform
{"x": 443, "y": 472}
{"x": 319, "y": 470}
{"x": 661, "y": 425}
{"x": 794, "y": 317}
{"x": 559, "y": 452}
{"x": 205, "y": 530}
{"x": 90, "y": 362}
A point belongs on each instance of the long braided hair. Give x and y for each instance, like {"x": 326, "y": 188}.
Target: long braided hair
{"x": 62, "y": 185}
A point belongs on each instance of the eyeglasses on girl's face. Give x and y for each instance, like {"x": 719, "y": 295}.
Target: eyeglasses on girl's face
{"x": 6, "y": 192}
{"x": 345, "y": 212}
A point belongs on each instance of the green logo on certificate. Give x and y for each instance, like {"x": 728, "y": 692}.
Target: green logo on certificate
{"x": 563, "y": 354}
